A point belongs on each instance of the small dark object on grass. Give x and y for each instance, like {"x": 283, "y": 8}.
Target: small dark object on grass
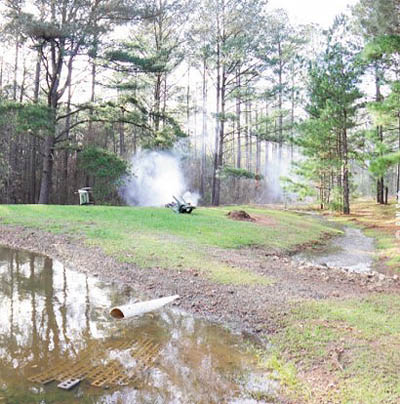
{"x": 240, "y": 215}
{"x": 180, "y": 206}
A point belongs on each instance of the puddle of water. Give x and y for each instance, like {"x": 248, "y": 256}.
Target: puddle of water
{"x": 353, "y": 251}
{"x": 54, "y": 325}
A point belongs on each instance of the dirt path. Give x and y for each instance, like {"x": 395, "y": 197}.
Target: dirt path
{"x": 255, "y": 309}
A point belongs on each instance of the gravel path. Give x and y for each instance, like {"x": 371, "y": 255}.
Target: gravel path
{"x": 258, "y": 310}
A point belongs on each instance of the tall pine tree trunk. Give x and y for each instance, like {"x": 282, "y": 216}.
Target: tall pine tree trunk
{"x": 34, "y": 141}
{"x": 280, "y": 101}
{"x": 217, "y": 132}
{"x": 246, "y": 135}
{"x": 221, "y": 134}
{"x": 346, "y": 185}
{"x": 338, "y": 170}
{"x": 380, "y": 185}
{"x": 238, "y": 120}
{"x": 121, "y": 130}
{"x": 398, "y": 165}
{"x": 23, "y": 84}
{"x": 258, "y": 147}
{"x": 293, "y": 102}
{"x": 16, "y": 62}
{"x": 204, "y": 131}
{"x": 157, "y": 102}
{"x": 50, "y": 141}
{"x": 63, "y": 197}
{"x": 92, "y": 90}
{"x": 47, "y": 171}
{"x": 381, "y": 181}
{"x": 250, "y": 134}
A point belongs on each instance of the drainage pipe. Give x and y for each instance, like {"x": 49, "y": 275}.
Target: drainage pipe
{"x": 137, "y": 309}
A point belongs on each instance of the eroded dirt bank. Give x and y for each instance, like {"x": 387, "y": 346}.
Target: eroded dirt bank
{"x": 255, "y": 309}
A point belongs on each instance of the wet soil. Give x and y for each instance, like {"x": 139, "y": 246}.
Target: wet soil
{"x": 258, "y": 310}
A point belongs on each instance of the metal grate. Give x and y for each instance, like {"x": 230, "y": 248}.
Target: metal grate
{"x": 107, "y": 373}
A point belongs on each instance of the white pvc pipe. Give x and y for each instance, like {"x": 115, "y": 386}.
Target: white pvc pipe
{"x": 137, "y": 309}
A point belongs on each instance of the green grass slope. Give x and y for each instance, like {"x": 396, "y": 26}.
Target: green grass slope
{"x": 157, "y": 237}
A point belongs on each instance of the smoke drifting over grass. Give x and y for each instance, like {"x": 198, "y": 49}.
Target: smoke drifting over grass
{"x": 157, "y": 177}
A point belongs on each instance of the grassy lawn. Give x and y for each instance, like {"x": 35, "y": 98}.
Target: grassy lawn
{"x": 157, "y": 237}
{"x": 345, "y": 352}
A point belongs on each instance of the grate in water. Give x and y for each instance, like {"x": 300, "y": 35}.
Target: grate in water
{"x": 111, "y": 374}
{"x": 68, "y": 384}
{"x": 145, "y": 352}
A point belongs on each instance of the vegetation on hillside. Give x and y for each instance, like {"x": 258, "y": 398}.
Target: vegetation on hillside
{"x": 246, "y": 88}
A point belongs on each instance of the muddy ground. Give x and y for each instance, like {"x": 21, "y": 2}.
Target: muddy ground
{"x": 258, "y": 310}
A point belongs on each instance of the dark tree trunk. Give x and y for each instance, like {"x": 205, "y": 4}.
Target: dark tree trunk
{"x": 238, "y": 120}
{"x": 217, "y": 132}
{"x": 91, "y": 134}
{"x": 221, "y": 137}
{"x": 121, "y": 138}
{"x": 37, "y": 79}
{"x": 380, "y": 198}
{"x": 16, "y": 61}
{"x": 380, "y": 190}
{"x": 23, "y": 83}
{"x": 246, "y": 136}
{"x": 250, "y": 137}
{"x": 398, "y": 166}
{"x": 47, "y": 172}
{"x": 381, "y": 181}
{"x": 280, "y": 101}
{"x": 258, "y": 147}
{"x": 157, "y": 102}
{"x": 204, "y": 131}
{"x": 346, "y": 186}
{"x": 33, "y": 167}
{"x": 63, "y": 197}
{"x": 34, "y": 141}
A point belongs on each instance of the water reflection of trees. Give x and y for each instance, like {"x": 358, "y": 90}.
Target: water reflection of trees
{"x": 34, "y": 321}
{"x": 49, "y": 316}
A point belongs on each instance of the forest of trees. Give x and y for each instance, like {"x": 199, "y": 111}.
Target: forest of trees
{"x": 84, "y": 85}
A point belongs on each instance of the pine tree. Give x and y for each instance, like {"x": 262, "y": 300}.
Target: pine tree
{"x": 326, "y": 137}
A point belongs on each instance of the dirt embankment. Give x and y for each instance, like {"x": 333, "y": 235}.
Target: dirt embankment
{"x": 255, "y": 309}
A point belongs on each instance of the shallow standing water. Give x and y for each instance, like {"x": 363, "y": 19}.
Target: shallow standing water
{"x": 55, "y": 326}
{"x": 353, "y": 251}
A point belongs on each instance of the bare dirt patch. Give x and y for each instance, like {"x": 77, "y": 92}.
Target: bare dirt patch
{"x": 241, "y": 215}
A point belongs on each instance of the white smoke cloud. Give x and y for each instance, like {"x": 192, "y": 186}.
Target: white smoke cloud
{"x": 191, "y": 197}
{"x": 157, "y": 178}
{"x": 280, "y": 164}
